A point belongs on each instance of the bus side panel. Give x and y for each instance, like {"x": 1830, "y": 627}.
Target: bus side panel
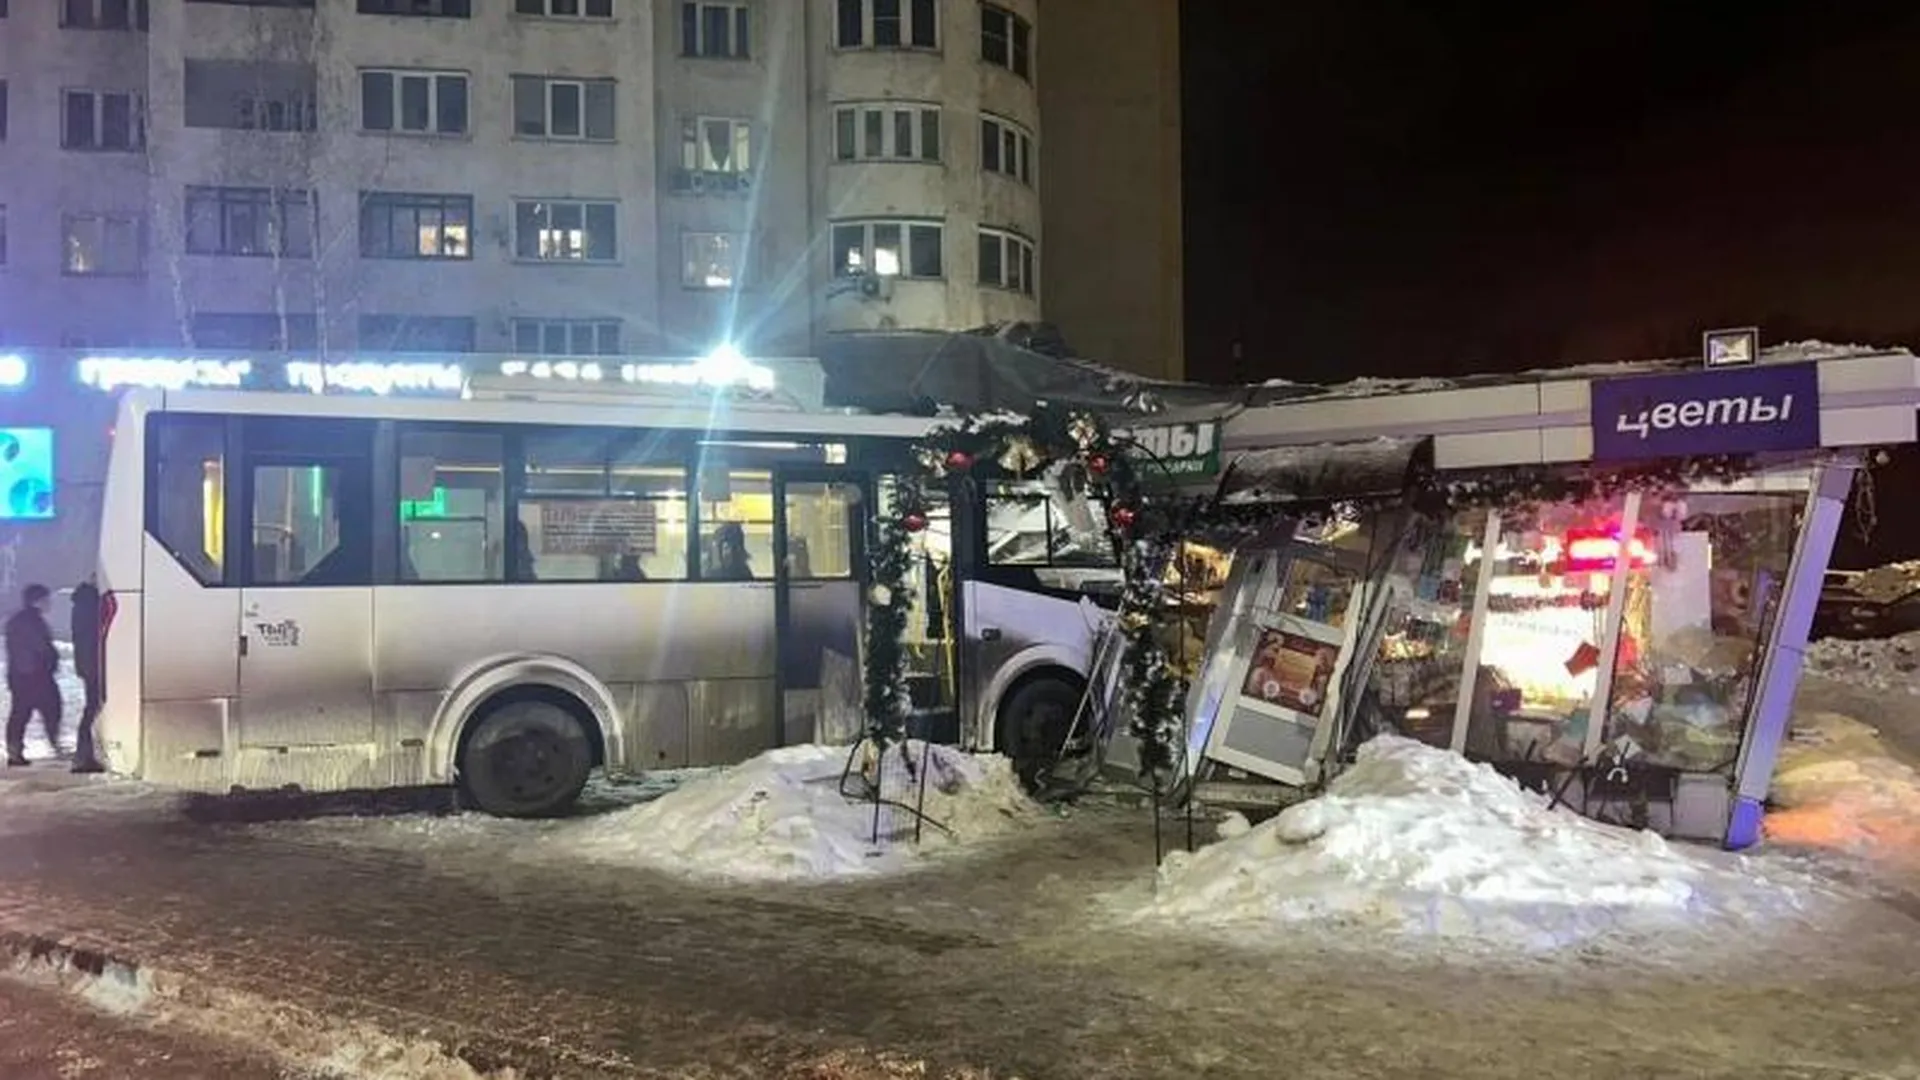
{"x": 123, "y": 499}
{"x": 1010, "y": 632}
{"x": 189, "y": 674}
{"x": 121, "y": 547}
{"x": 117, "y": 729}
{"x": 693, "y": 661}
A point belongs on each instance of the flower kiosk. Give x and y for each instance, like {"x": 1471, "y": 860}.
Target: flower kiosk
{"x": 1601, "y": 584}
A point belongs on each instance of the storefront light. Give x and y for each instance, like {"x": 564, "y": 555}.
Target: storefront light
{"x": 572, "y": 370}
{"x": 165, "y": 373}
{"x": 13, "y": 371}
{"x": 376, "y": 378}
{"x": 722, "y": 369}
{"x": 1590, "y": 551}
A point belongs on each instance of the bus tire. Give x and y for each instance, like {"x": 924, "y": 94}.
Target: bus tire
{"x": 526, "y": 758}
{"x": 1034, "y": 724}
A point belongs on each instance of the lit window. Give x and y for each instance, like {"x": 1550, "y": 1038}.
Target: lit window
{"x": 402, "y": 225}
{"x": 565, "y": 230}
{"x": 711, "y": 260}
{"x": 908, "y": 249}
{"x": 102, "y": 244}
{"x": 716, "y": 144}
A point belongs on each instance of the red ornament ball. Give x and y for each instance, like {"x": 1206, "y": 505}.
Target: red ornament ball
{"x": 959, "y": 460}
{"x": 1123, "y": 517}
{"x": 914, "y": 522}
{"x": 1098, "y": 464}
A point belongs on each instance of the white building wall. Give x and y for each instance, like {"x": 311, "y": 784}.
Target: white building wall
{"x": 787, "y": 88}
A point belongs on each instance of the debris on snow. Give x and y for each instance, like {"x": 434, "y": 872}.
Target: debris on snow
{"x": 1879, "y": 663}
{"x": 1420, "y": 841}
{"x": 1837, "y": 788}
{"x": 782, "y": 817}
{"x": 1885, "y": 584}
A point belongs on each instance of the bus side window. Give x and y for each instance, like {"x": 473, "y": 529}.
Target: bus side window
{"x": 452, "y": 506}
{"x": 186, "y": 500}
{"x": 311, "y": 489}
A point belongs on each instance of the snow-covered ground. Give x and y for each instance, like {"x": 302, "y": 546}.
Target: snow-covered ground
{"x": 1839, "y": 788}
{"x": 1418, "y": 842}
{"x": 780, "y": 817}
{"x": 1891, "y": 664}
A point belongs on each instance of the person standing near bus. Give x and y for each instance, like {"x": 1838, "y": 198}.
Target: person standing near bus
{"x": 86, "y": 664}
{"x": 32, "y": 664}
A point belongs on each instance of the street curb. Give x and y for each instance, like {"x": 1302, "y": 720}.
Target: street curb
{"x": 194, "y": 1000}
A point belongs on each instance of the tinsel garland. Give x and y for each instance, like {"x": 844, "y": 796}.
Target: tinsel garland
{"x": 1016, "y": 447}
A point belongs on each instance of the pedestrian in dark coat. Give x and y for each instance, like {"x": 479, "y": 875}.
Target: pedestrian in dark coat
{"x": 86, "y": 664}
{"x": 32, "y": 663}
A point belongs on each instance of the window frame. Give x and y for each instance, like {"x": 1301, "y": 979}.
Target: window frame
{"x": 1016, "y": 39}
{"x": 694, "y": 43}
{"x": 1018, "y": 253}
{"x": 267, "y": 441}
{"x": 136, "y": 121}
{"x": 584, "y": 204}
{"x": 505, "y": 437}
{"x": 134, "y": 220}
{"x": 693, "y": 142}
{"x": 634, "y": 446}
{"x": 152, "y": 524}
{"x": 913, "y": 14}
{"x": 278, "y": 204}
{"x": 584, "y": 87}
{"x": 394, "y": 9}
{"x": 855, "y": 120}
{"x": 567, "y": 326}
{"x": 414, "y": 203}
{"x": 139, "y": 16}
{"x": 436, "y": 126}
{"x": 369, "y": 324}
{"x": 999, "y": 492}
{"x": 907, "y": 226}
{"x": 738, "y": 247}
{"x": 546, "y": 11}
{"x": 995, "y": 131}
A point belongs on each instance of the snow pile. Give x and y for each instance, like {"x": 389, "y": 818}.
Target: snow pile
{"x": 1418, "y": 840}
{"x": 782, "y": 817}
{"x": 1876, "y": 663}
{"x": 1885, "y": 584}
{"x": 1837, "y": 788}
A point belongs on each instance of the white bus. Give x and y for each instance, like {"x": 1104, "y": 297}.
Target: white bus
{"x": 322, "y": 593}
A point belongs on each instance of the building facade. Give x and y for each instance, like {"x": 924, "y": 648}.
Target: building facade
{"x": 639, "y": 177}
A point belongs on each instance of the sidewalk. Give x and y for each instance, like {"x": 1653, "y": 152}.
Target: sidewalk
{"x": 1004, "y": 966}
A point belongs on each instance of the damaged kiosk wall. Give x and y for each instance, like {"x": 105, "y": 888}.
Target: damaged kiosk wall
{"x": 1606, "y": 591}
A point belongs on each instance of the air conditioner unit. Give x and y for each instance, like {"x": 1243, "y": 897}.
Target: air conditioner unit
{"x": 697, "y": 183}
{"x": 876, "y": 286}
{"x": 743, "y": 182}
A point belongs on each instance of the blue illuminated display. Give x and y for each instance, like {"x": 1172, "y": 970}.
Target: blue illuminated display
{"x": 26, "y": 474}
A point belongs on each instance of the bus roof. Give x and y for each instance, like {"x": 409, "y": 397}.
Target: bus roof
{"x": 716, "y": 414}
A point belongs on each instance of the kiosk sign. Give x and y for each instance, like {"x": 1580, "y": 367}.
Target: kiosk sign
{"x": 1761, "y": 409}
{"x": 1174, "y": 453}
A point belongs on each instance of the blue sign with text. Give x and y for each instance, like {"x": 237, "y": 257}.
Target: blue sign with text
{"x": 1764, "y": 409}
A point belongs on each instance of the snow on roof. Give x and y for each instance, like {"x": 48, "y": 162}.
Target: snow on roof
{"x": 1367, "y": 386}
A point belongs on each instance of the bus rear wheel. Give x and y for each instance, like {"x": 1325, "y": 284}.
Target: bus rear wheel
{"x": 1035, "y": 723}
{"x": 526, "y": 759}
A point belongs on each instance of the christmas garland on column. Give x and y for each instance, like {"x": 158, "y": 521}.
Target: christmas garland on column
{"x": 1076, "y": 449}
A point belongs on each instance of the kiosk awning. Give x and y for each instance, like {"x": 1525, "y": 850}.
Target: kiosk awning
{"x": 1326, "y": 472}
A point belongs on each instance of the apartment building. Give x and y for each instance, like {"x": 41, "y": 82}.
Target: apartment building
{"x": 641, "y": 177}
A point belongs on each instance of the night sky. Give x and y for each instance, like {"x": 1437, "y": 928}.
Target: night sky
{"x": 1391, "y": 189}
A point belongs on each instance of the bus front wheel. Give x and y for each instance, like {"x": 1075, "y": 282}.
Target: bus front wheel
{"x": 526, "y": 758}
{"x": 1035, "y": 723}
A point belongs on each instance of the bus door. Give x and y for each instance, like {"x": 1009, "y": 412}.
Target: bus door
{"x": 819, "y": 577}
{"x": 306, "y": 602}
